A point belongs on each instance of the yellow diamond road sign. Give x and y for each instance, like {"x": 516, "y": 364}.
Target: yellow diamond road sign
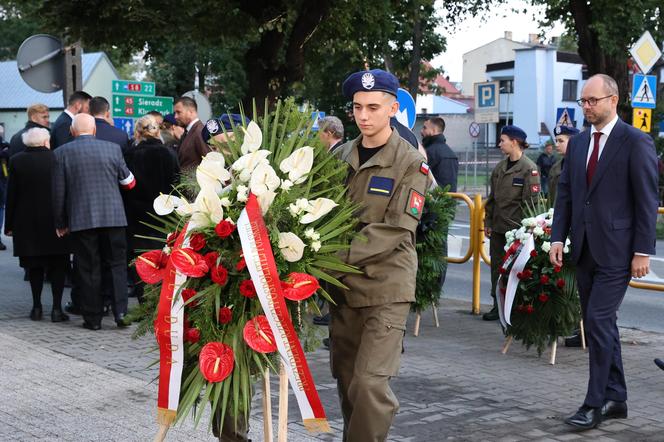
{"x": 645, "y": 52}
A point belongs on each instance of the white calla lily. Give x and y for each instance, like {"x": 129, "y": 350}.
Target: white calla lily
{"x": 291, "y": 246}
{"x": 248, "y": 162}
{"x": 165, "y": 204}
{"x": 317, "y": 209}
{"x": 298, "y": 164}
{"x": 263, "y": 179}
{"x": 253, "y": 138}
{"x": 212, "y": 172}
{"x": 184, "y": 209}
{"x": 265, "y": 200}
{"x": 207, "y": 208}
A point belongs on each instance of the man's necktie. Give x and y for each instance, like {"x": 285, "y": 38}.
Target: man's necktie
{"x": 594, "y": 156}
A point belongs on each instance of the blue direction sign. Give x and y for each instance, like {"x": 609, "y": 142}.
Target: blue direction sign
{"x": 126, "y": 124}
{"x": 406, "y": 114}
{"x": 317, "y": 116}
{"x": 644, "y": 91}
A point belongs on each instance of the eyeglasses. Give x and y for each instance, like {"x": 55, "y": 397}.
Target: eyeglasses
{"x": 592, "y": 101}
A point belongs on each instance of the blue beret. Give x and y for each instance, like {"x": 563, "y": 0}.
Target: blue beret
{"x": 227, "y": 121}
{"x": 369, "y": 81}
{"x": 566, "y": 130}
{"x": 170, "y": 118}
{"x": 516, "y": 133}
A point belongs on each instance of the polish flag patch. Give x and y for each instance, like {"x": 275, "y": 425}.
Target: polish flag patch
{"x": 534, "y": 172}
{"x": 424, "y": 168}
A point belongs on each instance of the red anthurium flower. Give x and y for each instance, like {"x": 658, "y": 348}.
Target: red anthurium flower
{"x": 225, "y": 315}
{"x": 258, "y": 335}
{"x": 192, "y": 335}
{"x": 241, "y": 264}
{"x": 560, "y": 283}
{"x": 533, "y": 253}
{"x": 187, "y": 294}
{"x": 543, "y": 297}
{"x": 299, "y": 286}
{"x": 247, "y": 289}
{"x": 224, "y": 229}
{"x": 189, "y": 263}
{"x": 197, "y": 241}
{"x": 211, "y": 259}
{"x": 530, "y": 309}
{"x": 219, "y": 274}
{"x": 151, "y": 266}
{"x": 216, "y": 361}
{"x": 170, "y": 240}
{"x": 544, "y": 279}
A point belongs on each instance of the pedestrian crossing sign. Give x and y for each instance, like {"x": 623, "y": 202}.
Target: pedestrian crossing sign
{"x": 644, "y": 91}
{"x": 565, "y": 116}
{"x": 642, "y": 119}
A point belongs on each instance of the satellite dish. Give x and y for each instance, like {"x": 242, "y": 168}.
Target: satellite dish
{"x": 203, "y": 104}
{"x": 41, "y": 63}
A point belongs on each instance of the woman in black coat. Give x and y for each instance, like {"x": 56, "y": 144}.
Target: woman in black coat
{"x": 156, "y": 169}
{"x": 29, "y": 219}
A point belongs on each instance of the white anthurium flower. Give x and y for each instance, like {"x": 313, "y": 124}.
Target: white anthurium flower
{"x": 286, "y": 185}
{"x": 546, "y": 246}
{"x": 185, "y": 208}
{"x": 246, "y": 164}
{"x": 165, "y": 204}
{"x": 242, "y": 193}
{"x": 212, "y": 173}
{"x": 207, "y": 208}
{"x": 317, "y": 209}
{"x": 263, "y": 179}
{"x": 265, "y": 200}
{"x": 298, "y": 164}
{"x": 253, "y": 138}
{"x": 291, "y": 246}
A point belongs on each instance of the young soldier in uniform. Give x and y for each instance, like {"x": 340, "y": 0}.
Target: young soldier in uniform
{"x": 514, "y": 182}
{"x": 563, "y": 134}
{"x": 387, "y": 178}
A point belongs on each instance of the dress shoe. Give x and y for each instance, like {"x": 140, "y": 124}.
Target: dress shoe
{"x": 36, "y": 313}
{"x": 491, "y": 315}
{"x": 326, "y": 343}
{"x": 58, "y": 316}
{"x": 322, "y": 320}
{"x": 107, "y": 310}
{"x": 122, "y": 321}
{"x": 659, "y": 363}
{"x": 574, "y": 340}
{"x": 91, "y": 326}
{"x": 614, "y": 410}
{"x": 2, "y": 246}
{"x": 73, "y": 309}
{"x": 585, "y": 418}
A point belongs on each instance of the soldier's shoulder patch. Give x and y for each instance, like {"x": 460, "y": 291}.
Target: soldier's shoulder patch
{"x": 380, "y": 185}
{"x": 415, "y": 204}
{"x": 535, "y": 188}
{"x": 424, "y": 168}
{"x": 534, "y": 172}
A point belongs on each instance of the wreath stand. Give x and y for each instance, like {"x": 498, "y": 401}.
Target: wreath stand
{"x": 282, "y": 429}
{"x": 554, "y": 347}
{"x": 418, "y": 318}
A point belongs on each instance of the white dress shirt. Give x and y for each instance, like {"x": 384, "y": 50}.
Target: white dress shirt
{"x": 191, "y": 124}
{"x": 606, "y": 131}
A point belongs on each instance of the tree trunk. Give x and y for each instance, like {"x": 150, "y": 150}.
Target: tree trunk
{"x": 416, "y": 56}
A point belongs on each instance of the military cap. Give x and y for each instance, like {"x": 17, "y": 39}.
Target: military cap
{"x": 170, "y": 118}
{"x": 227, "y": 121}
{"x": 515, "y": 133}
{"x": 370, "y": 81}
{"x": 566, "y": 130}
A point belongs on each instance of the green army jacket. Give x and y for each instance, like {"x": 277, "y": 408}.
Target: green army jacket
{"x": 389, "y": 188}
{"x": 510, "y": 190}
{"x": 554, "y": 176}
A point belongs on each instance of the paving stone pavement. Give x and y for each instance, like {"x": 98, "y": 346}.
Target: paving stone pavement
{"x": 62, "y": 382}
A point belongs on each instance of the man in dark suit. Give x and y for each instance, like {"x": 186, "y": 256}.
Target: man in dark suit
{"x": 100, "y": 109}
{"x": 78, "y": 102}
{"x": 607, "y": 202}
{"x": 192, "y": 147}
{"x": 87, "y": 177}
{"x": 442, "y": 160}
{"x": 38, "y": 116}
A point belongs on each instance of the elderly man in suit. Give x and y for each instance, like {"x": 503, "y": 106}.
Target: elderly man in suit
{"x": 79, "y": 102}
{"x": 607, "y": 202}
{"x": 192, "y": 146}
{"x": 100, "y": 109}
{"x": 87, "y": 177}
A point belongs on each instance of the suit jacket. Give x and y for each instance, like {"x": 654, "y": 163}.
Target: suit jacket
{"x": 110, "y": 133}
{"x": 60, "y": 133}
{"x": 442, "y": 160}
{"x": 16, "y": 143}
{"x": 87, "y": 177}
{"x": 617, "y": 213}
{"x": 192, "y": 147}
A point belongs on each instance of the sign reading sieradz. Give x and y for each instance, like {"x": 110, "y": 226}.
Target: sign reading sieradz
{"x": 136, "y": 106}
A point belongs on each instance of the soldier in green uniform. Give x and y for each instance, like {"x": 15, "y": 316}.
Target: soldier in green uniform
{"x": 387, "y": 178}
{"x": 563, "y": 134}
{"x": 514, "y": 182}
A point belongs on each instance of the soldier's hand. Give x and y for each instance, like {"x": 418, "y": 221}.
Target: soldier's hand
{"x": 556, "y": 254}
{"x": 487, "y": 232}
{"x": 62, "y": 232}
{"x": 640, "y": 266}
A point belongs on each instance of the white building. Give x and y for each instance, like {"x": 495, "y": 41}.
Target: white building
{"x": 16, "y": 95}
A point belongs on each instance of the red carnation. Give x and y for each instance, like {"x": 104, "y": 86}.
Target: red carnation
{"x": 533, "y": 253}
{"x": 543, "y": 297}
{"x": 544, "y": 279}
{"x": 192, "y": 335}
{"x": 241, "y": 264}
{"x": 527, "y": 274}
{"x": 219, "y": 274}
{"x": 530, "y": 309}
{"x": 225, "y": 315}
{"x": 519, "y": 275}
{"x": 560, "y": 283}
{"x": 299, "y": 286}
{"x": 247, "y": 288}
{"x": 224, "y": 229}
{"x": 187, "y": 294}
{"x": 211, "y": 259}
{"x": 151, "y": 266}
{"x": 197, "y": 241}
{"x": 556, "y": 269}
{"x": 189, "y": 263}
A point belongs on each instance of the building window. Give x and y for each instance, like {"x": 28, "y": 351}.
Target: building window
{"x": 569, "y": 90}
{"x": 506, "y": 86}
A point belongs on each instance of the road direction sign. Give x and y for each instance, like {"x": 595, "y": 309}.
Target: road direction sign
{"x": 474, "y": 129}
{"x": 126, "y": 124}
{"x": 317, "y": 116}
{"x": 136, "y": 106}
{"x": 130, "y": 87}
{"x": 565, "y": 116}
{"x": 644, "y": 91}
{"x": 487, "y": 101}
{"x": 645, "y": 52}
{"x": 642, "y": 119}
{"x": 406, "y": 114}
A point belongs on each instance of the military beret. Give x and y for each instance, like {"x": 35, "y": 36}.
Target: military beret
{"x": 516, "y": 133}
{"x": 370, "y": 81}
{"x": 566, "y": 130}
{"x": 170, "y": 118}
{"x": 227, "y": 121}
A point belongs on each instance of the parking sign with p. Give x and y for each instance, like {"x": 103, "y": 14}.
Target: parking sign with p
{"x": 486, "y": 102}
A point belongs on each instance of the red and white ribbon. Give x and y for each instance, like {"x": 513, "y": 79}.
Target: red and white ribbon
{"x": 507, "y": 300}
{"x": 263, "y": 270}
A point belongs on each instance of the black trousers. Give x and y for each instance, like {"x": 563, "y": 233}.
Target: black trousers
{"x": 97, "y": 249}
